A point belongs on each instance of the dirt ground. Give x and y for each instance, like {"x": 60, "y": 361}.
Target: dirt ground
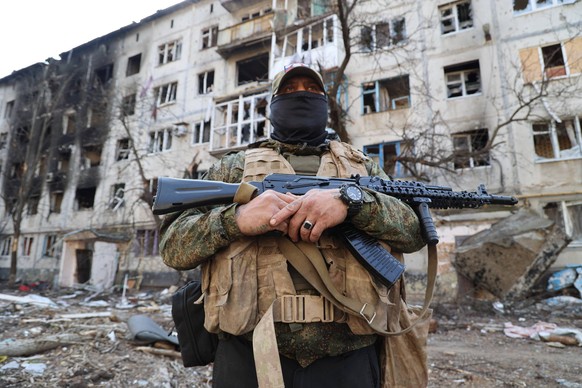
{"x": 467, "y": 349}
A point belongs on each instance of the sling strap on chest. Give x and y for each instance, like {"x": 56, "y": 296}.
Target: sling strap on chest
{"x": 307, "y": 259}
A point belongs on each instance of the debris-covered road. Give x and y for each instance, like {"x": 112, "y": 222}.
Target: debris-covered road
{"x": 91, "y": 344}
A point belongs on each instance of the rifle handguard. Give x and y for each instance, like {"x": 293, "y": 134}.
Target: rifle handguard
{"x": 244, "y": 193}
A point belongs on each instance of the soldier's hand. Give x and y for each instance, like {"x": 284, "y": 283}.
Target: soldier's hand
{"x": 253, "y": 217}
{"x": 311, "y": 214}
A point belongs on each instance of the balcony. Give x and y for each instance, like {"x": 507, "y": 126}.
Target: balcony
{"x": 236, "y": 5}
{"x": 246, "y": 35}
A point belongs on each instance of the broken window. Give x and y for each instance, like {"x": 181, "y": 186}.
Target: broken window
{"x": 128, "y": 105}
{"x": 123, "y": 149}
{"x": 117, "y": 192}
{"x": 85, "y": 198}
{"x": 209, "y": 37}
{"x": 166, "y": 94}
{"x": 97, "y": 114}
{"x": 554, "y": 140}
{"x": 49, "y": 246}
{"x": 91, "y": 156}
{"x": 456, "y": 16}
{"x": 470, "y": 149}
{"x": 133, "y": 65}
{"x": 239, "y": 121}
{"x": 3, "y": 139}
{"x": 69, "y": 123}
{"x": 255, "y": 14}
{"x": 568, "y": 215}
{"x": 382, "y": 35}
{"x": 8, "y": 110}
{"x": 5, "y": 245}
{"x": 32, "y": 205}
{"x": 104, "y": 74}
{"x": 146, "y": 242}
{"x": 205, "y": 82}
{"x": 56, "y": 201}
{"x": 385, "y": 154}
{"x": 387, "y": 94}
{"x": 524, "y": 6}
{"x": 27, "y": 243}
{"x": 553, "y": 61}
{"x": 201, "y": 132}
{"x": 169, "y": 52}
{"x": 463, "y": 79}
{"x": 253, "y": 69}
{"x": 160, "y": 140}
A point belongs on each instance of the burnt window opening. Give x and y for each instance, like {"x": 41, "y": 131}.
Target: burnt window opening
{"x": 56, "y": 200}
{"x": 104, "y": 74}
{"x": 22, "y": 135}
{"x": 123, "y": 149}
{"x": 554, "y": 64}
{"x": 470, "y": 149}
{"x": 3, "y": 139}
{"x": 97, "y": 114}
{"x": 69, "y": 123}
{"x": 85, "y": 198}
{"x": 205, "y": 82}
{"x": 32, "y": 205}
{"x": 209, "y": 37}
{"x": 253, "y": 69}
{"x": 117, "y": 192}
{"x": 91, "y": 156}
{"x": 133, "y": 65}
{"x": 128, "y": 105}
{"x": 8, "y": 110}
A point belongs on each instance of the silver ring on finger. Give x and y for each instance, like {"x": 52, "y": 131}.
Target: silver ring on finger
{"x": 308, "y": 225}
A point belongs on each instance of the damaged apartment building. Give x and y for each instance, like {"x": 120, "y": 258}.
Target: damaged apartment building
{"x": 456, "y": 93}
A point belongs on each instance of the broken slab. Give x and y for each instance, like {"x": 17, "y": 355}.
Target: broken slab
{"x": 510, "y": 257}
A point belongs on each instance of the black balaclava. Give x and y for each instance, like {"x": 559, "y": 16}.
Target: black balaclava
{"x": 299, "y": 117}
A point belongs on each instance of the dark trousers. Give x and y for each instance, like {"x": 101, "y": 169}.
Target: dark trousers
{"x": 234, "y": 366}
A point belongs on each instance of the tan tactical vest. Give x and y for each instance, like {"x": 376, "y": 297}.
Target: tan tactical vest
{"x": 242, "y": 281}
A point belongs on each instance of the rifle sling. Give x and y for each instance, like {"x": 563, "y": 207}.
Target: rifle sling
{"x": 309, "y": 262}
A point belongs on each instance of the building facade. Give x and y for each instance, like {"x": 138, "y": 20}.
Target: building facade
{"x": 480, "y": 91}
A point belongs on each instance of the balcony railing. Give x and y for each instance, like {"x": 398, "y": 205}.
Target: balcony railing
{"x": 253, "y": 29}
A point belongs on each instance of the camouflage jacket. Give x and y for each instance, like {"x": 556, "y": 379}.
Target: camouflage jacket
{"x": 193, "y": 236}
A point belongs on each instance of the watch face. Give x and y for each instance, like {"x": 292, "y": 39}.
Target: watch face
{"x": 354, "y": 193}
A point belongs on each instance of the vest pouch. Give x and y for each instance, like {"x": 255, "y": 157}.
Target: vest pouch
{"x": 231, "y": 303}
{"x": 272, "y": 274}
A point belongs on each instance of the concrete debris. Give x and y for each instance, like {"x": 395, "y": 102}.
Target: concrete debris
{"x": 509, "y": 258}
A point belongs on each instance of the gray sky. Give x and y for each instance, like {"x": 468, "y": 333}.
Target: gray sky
{"x": 34, "y": 30}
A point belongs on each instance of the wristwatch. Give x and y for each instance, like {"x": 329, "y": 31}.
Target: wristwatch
{"x": 353, "y": 196}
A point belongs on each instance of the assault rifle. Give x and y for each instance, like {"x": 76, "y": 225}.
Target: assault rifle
{"x": 175, "y": 194}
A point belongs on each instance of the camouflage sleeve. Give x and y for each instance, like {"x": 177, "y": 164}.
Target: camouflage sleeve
{"x": 389, "y": 219}
{"x": 189, "y": 238}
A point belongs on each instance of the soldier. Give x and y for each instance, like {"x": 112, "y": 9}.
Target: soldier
{"x": 247, "y": 276}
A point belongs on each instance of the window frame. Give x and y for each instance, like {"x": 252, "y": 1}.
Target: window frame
{"x": 6, "y": 246}
{"x": 380, "y": 156}
{"x": 470, "y": 137}
{"x": 462, "y": 70}
{"x": 532, "y": 6}
{"x": 209, "y": 37}
{"x": 201, "y": 132}
{"x": 551, "y": 130}
{"x": 166, "y": 137}
{"x": 381, "y": 103}
{"x": 49, "y": 245}
{"x": 166, "y": 94}
{"x": 372, "y": 45}
{"x": 170, "y": 52}
{"x": 454, "y": 16}
{"x": 203, "y": 87}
